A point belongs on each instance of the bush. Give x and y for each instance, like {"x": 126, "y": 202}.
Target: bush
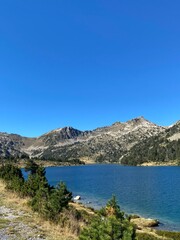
{"x": 13, "y": 177}
{"x": 109, "y": 224}
{"x": 36, "y": 180}
{"x": 46, "y": 200}
{"x": 59, "y": 198}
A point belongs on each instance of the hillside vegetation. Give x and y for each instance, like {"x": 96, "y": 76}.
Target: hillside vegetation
{"x": 163, "y": 147}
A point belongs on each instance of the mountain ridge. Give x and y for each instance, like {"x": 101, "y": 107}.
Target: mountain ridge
{"x": 103, "y": 144}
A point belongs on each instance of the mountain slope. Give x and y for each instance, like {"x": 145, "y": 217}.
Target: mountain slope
{"x": 11, "y": 146}
{"x": 163, "y": 147}
{"x": 105, "y": 144}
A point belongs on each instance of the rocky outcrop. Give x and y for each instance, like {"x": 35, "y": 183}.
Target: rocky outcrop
{"x": 144, "y": 222}
{"x": 11, "y": 146}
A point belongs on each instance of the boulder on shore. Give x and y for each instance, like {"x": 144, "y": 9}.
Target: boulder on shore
{"x": 145, "y": 222}
{"x": 77, "y": 198}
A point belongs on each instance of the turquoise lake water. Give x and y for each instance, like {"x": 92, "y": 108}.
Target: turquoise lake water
{"x": 148, "y": 191}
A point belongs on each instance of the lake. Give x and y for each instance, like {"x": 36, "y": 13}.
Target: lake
{"x": 148, "y": 191}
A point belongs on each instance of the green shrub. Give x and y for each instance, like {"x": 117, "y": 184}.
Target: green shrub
{"x": 59, "y": 198}
{"x": 9, "y": 171}
{"x": 171, "y": 235}
{"x": 36, "y": 180}
{"x": 13, "y": 177}
{"x": 145, "y": 236}
{"x": 109, "y": 224}
{"x": 46, "y": 200}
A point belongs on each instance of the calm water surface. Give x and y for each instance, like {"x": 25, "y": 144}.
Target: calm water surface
{"x": 149, "y": 191}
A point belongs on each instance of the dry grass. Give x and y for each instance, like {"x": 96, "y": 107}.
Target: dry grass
{"x": 87, "y": 160}
{"x": 50, "y": 231}
{"x": 152, "y": 164}
{"x": 80, "y": 207}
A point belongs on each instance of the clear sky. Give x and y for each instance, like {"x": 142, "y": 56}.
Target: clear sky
{"x": 88, "y": 63}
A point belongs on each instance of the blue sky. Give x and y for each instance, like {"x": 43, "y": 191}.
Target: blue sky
{"x": 88, "y": 63}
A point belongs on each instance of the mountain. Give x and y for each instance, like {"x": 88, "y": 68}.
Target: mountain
{"x": 163, "y": 147}
{"x": 105, "y": 144}
{"x": 11, "y": 146}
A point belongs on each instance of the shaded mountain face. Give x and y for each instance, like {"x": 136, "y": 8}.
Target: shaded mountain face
{"x": 11, "y": 146}
{"x": 105, "y": 144}
{"x": 62, "y": 135}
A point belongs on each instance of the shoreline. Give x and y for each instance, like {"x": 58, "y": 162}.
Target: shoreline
{"x": 11, "y": 204}
{"x": 163, "y": 224}
{"x": 67, "y": 164}
{"x": 145, "y": 227}
{"x": 48, "y": 163}
{"x": 159, "y": 164}
{"x": 157, "y": 223}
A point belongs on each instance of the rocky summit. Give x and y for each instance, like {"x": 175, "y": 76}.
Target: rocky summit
{"x": 114, "y": 143}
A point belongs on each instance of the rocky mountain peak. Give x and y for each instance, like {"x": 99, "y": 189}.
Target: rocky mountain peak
{"x": 111, "y": 142}
{"x": 138, "y": 120}
{"x": 117, "y": 123}
{"x": 61, "y": 134}
{"x": 141, "y": 122}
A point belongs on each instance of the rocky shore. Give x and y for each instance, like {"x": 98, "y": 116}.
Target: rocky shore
{"x": 141, "y": 222}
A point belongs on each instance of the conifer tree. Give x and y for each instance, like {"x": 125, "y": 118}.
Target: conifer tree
{"x": 110, "y": 224}
{"x": 58, "y": 199}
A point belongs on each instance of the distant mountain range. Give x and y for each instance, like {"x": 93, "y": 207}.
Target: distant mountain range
{"x": 132, "y": 142}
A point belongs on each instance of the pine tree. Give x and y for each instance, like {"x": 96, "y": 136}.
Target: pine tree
{"x": 58, "y": 199}
{"x": 110, "y": 224}
{"x": 31, "y": 166}
{"x": 36, "y": 180}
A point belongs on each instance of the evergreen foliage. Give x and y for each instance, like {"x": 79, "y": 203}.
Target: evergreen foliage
{"x": 36, "y": 181}
{"x": 40, "y": 201}
{"x": 58, "y": 199}
{"x": 9, "y": 171}
{"x": 44, "y": 199}
{"x": 13, "y": 177}
{"x": 154, "y": 149}
{"x": 31, "y": 166}
{"x": 110, "y": 224}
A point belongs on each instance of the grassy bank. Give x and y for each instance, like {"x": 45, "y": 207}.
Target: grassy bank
{"x": 38, "y": 227}
{"x": 18, "y": 212}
